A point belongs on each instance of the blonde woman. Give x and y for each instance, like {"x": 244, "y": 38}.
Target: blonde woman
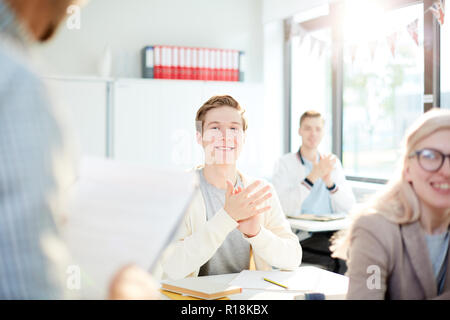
{"x": 397, "y": 247}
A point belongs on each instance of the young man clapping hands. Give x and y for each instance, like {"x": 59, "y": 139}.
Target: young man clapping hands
{"x": 233, "y": 220}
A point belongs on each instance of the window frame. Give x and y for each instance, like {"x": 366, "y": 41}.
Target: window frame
{"x": 431, "y": 69}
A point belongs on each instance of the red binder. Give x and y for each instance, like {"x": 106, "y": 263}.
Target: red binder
{"x": 229, "y": 69}
{"x": 189, "y": 63}
{"x": 220, "y": 66}
{"x": 224, "y": 65}
{"x": 175, "y": 63}
{"x": 182, "y": 63}
{"x": 195, "y": 71}
{"x": 201, "y": 64}
{"x": 213, "y": 65}
{"x": 207, "y": 65}
{"x": 164, "y": 66}
{"x": 235, "y": 68}
{"x": 157, "y": 66}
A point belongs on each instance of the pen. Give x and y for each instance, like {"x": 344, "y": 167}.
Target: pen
{"x": 276, "y": 283}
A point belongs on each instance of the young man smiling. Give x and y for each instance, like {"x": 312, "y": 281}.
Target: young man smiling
{"x": 234, "y": 222}
{"x": 310, "y": 182}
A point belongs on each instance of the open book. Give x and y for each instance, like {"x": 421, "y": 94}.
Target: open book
{"x": 122, "y": 214}
{"x": 317, "y": 217}
{"x": 200, "y": 287}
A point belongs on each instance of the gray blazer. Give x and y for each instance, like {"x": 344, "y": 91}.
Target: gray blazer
{"x": 35, "y": 166}
{"x": 395, "y": 254}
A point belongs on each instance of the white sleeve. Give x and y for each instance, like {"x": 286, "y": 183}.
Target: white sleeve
{"x": 275, "y": 243}
{"x": 192, "y": 250}
{"x": 291, "y": 191}
{"x": 343, "y": 199}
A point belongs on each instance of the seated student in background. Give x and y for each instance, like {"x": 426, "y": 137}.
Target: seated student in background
{"x": 398, "y": 246}
{"x": 232, "y": 218}
{"x": 310, "y": 182}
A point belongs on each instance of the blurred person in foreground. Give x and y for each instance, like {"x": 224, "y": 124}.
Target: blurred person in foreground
{"x": 397, "y": 247}
{"x": 36, "y": 165}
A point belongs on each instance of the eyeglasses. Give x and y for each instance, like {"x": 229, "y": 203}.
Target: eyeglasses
{"x": 430, "y": 159}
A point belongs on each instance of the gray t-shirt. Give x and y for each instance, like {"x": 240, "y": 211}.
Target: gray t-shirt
{"x": 437, "y": 248}
{"x": 234, "y": 254}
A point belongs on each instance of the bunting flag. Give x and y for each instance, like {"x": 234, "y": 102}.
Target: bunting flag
{"x": 353, "y": 49}
{"x": 288, "y": 30}
{"x": 372, "y": 48}
{"x": 392, "y": 42}
{"x": 321, "y": 47}
{"x": 413, "y": 30}
{"x": 296, "y": 30}
{"x": 301, "y": 35}
{"x": 293, "y": 30}
{"x": 438, "y": 10}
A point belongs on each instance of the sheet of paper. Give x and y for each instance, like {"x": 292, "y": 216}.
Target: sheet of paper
{"x": 303, "y": 279}
{"x": 121, "y": 214}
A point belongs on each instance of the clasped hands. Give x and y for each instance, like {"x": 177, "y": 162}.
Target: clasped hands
{"x": 242, "y": 206}
{"x": 322, "y": 169}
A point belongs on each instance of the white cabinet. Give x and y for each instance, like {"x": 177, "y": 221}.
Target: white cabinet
{"x": 85, "y": 101}
{"x": 153, "y": 121}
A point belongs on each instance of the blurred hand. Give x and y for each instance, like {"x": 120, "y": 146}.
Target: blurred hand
{"x": 322, "y": 169}
{"x": 241, "y": 205}
{"x": 133, "y": 283}
{"x": 249, "y": 227}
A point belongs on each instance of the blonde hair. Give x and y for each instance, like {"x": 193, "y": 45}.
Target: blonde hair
{"x": 216, "y": 102}
{"x": 310, "y": 114}
{"x": 398, "y": 202}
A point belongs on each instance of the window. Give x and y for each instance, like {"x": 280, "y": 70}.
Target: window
{"x": 445, "y": 63}
{"x": 373, "y": 63}
{"x": 311, "y": 82}
{"x": 382, "y": 90}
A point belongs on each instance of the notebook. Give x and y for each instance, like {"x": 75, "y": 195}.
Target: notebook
{"x": 321, "y": 217}
{"x": 200, "y": 287}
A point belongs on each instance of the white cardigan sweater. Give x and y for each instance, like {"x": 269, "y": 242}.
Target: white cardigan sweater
{"x": 198, "y": 239}
{"x": 288, "y": 176}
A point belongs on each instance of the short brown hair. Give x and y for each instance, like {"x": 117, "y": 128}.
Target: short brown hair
{"x": 216, "y": 102}
{"x": 311, "y": 114}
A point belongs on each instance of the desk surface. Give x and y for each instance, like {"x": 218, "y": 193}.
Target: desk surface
{"x": 319, "y": 226}
{"x": 333, "y": 285}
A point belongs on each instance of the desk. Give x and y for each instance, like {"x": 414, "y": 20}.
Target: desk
{"x": 319, "y": 226}
{"x": 333, "y": 285}
{"x": 305, "y": 228}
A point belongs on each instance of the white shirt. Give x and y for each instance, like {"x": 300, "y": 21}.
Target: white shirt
{"x": 288, "y": 180}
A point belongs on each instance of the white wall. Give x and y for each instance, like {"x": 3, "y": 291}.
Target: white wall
{"x": 281, "y": 9}
{"x": 127, "y": 26}
{"x": 273, "y": 87}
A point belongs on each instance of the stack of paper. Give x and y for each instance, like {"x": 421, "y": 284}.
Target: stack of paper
{"x": 122, "y": 214}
